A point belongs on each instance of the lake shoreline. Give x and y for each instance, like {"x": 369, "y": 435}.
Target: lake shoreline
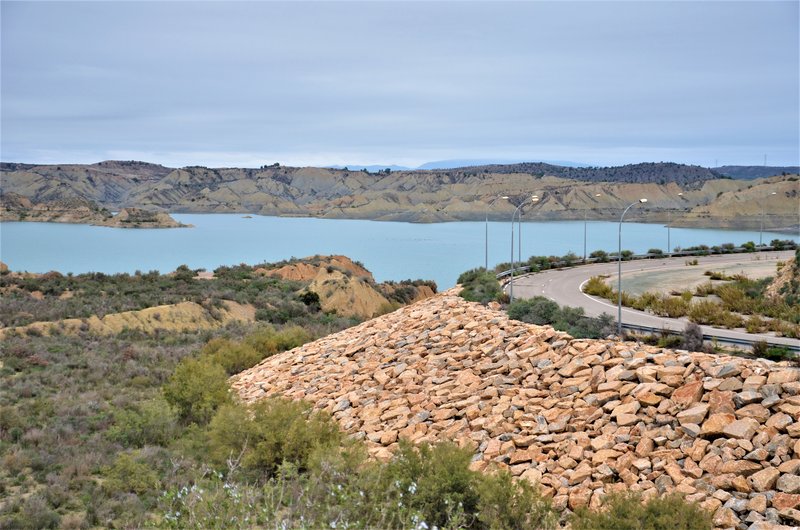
{"x": 392, "y": 250}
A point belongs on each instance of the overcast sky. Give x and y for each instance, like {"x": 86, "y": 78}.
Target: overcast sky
{"x": 302, "y": 83}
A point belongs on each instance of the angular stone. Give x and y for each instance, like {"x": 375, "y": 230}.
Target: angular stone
{"x": 716, "y": 423}
{"x": 725, "y": 518}
{"x": 747, "y": 397}
{"x": 765, "y": 479}
{"x": 623, "y": 420}
{"x": 694, "y": 414}
{"x": 721, "y": 402}
{"x": 790, "y": 514}
{"x": 688, "y": 394}
{"x": 779, "y": 421}
{"x": 781, "y": 501}
{"x": 755, "y": 411}
{"x": 724, "y": 370}
{"x": 579, "y": 497}
{"x": 627, "y": 408}
{"x": 758, "y": 503}
{"x": 740, "y": 467}
{"x": 786, "y": 375}
{"x": 788, "y": 483}
{"x": 744, "y": 428}
{"x": 532, "y": 475}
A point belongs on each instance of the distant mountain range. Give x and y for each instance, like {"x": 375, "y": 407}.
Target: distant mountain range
{"x": 453, "y": 164}
{"x": 756, "y": 172}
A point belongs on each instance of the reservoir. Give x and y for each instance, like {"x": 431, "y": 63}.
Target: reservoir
{"x": 391, "y": 250}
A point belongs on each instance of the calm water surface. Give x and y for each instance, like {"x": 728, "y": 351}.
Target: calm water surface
{"x": 392, "y": 251}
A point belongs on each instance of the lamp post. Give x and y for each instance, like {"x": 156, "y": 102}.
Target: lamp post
{"x": 511, "y": 282}
{"x": 619, "y": 267}
{"x": 486, "y": 261}
{"x": 669, "y": 221}
{"x": 534, "y": 200}
{"x": 585, "y": 213}
{"x": 761, "y": 231}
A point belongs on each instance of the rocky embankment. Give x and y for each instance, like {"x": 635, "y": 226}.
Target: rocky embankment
{"x": 15, "y": 207}
{"x": 580, "y": 417}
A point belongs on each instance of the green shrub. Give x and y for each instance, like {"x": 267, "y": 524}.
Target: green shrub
{"x": 754, "y": 324}
{"x": 626, "y": 511}
{"x": 268, "y": 342}
{"x": 541, "y": 311}
{"x": 130, "y": 475}
{"x": 444, "y": 485}
{"x": 600, "y": 255}
{"x": 232, "y": 356}
{"x": 151, "y": 423}
{"x": 36, "y": 514}
{"x": 479, "y": 286}
{"x": 508, "y": 505}
{"x": 196, "y": 389}
{"x": 596, "y": 286}
{"x": 672, "y": 307}
{"x": 704, "y": 289}
{"x": 266, "y": 434}
{"x": 538, "y": 310}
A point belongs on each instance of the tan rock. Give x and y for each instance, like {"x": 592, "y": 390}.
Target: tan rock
{"x": 721, "y": 402}
{"x": 740, "y": 467}
{"x": 765, "y": 479}
{"x": 695, "y": 414}
{"x": 715, "y": 423}
{"x": 725, "y": 518}
{"x": 688, "y": 393}
{"x": 786, "y": 375}
{"x": 782, "y": 501}
{"x": 579, "y": 497}
{"x": 744, "y": 428}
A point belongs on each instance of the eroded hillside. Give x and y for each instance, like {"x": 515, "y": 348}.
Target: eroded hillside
{"x": 414, "y": 195}
{"x": 581, "y": 417}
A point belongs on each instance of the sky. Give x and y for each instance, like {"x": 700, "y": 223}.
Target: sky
{"x": 322, "y": 83}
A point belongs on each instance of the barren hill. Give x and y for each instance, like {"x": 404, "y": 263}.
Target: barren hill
{"x": 413, "y": 195}
{"x": 14, "y": 207}
{"x": 581, "y": 417}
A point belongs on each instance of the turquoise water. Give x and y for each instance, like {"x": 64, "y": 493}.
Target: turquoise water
{"x": 392, "y": 251}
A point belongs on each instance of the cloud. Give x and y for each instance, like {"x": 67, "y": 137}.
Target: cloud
{"x": 397, "y": 82}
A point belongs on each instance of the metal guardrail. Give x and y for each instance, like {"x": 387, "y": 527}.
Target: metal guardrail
{"x": 711, "y": 337}
{"x": 613, "y": 259}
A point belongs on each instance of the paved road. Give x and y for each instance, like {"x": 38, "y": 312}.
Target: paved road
{"x": 564, "y": 287}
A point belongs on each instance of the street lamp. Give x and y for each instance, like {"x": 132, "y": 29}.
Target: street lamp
{"x": 534, "y": 200}
{"x": 761, "y": 231}
{"x": 585, "y": 212}
{"x": 511, "y": 282}
{"x": 486, "y": 261}
{"x": 619, "y": 267}
{"x": 669, "y": 221}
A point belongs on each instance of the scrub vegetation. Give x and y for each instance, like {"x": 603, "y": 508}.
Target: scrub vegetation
{"x": 141, "y": 430}
{"x": 724, "y": 301}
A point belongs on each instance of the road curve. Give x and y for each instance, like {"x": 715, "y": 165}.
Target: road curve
{"x": 564, "y": 286}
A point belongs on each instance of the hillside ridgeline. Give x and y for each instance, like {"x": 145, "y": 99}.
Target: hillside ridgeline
{"x": 583, "y": 418}
{"x": 413, "y": 195}
{"x": 14, "y": 207}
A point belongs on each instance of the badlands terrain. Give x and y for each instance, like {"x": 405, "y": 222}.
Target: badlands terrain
{"x": 688, "y": 195}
